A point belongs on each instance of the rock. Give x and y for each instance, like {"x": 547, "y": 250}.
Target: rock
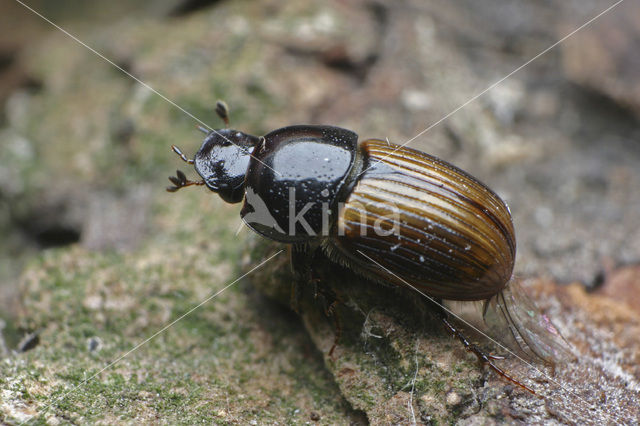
{"x": 605, "y": 59}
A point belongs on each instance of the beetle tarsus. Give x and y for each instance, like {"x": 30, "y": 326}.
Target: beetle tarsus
{"x": 483, "y": 357}
{"x": 495, "y": 357}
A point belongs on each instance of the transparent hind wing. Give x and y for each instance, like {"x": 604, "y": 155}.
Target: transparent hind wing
{"x": 530, "y": 332}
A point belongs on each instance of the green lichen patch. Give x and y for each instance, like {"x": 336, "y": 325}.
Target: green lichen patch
{"x": 236, "y": 358}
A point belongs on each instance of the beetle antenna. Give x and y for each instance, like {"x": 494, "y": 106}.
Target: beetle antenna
{"x": 180, "y": 181}
{"x": 223, "y": 112}
{"x": 202, "y": 129}
{"x": 181, "y": 155}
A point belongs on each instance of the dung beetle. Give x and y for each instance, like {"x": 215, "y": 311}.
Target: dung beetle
{"x": 393, "y": 214}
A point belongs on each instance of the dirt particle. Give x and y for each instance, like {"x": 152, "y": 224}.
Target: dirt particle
{"x": 453, "y": 399}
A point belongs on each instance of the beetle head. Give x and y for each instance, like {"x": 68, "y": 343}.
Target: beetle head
{"x": 222, "y": 162}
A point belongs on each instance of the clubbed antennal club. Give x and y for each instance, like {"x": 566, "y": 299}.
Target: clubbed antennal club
{"x": 180, "y": 181}
{"x": 223, "y": 112}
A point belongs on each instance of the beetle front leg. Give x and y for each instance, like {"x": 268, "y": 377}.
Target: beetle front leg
{"x": 295, "y": 258}
{"x": 301, "y": 256}
{"x": 331, "y": 311}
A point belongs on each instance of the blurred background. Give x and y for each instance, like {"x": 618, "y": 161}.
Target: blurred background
{"x": 88, "y": 234}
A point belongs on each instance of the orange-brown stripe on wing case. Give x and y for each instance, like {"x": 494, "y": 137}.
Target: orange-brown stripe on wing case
{"x": 452, "y": 236}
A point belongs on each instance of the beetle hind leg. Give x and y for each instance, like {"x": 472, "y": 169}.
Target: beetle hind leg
{"x": 483, "y": 357}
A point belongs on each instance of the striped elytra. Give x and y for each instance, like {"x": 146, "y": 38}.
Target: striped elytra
{"x": 454, "y": 238}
